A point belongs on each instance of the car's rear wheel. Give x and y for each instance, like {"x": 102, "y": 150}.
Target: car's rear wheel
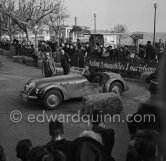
{"x": 52, "y": 99}
{"x": 116, "y": 86}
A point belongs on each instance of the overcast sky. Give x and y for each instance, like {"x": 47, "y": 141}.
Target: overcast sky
{"x": 138, "y": 15}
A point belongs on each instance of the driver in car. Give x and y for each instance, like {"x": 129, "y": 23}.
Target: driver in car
{"x": 90, "y": 76}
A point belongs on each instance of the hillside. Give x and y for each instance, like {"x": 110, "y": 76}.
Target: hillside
{"x": 147, "y": 37}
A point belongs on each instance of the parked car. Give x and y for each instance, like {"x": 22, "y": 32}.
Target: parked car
{"x": 147, "y": 77}
{"x": 54, "y": 90}
{"x": 107, "y": 39}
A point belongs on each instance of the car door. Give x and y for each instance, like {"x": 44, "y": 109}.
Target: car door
{"x": 78, "y": 89}
{"x": 75, "y": 88}
{"x": 90, "y": 88}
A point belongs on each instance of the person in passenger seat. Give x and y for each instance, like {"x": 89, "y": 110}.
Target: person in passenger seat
{"x": 96, "y": 77}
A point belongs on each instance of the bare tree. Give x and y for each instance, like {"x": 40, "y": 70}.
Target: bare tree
{"x": 121, "y": 30}
{"x": 55, "y": 20}
{"x": 7, "y": 24}
{"x": 30, "y": 12}
{"x": 36, "y": 30}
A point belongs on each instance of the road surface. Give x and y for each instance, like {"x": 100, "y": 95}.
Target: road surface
{"x": 13, "y": 76}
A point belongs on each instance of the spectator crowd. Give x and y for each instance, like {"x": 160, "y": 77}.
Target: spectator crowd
{"x": 97, "y": 143}
{"x": 67, "y": 53}
{"x": 78, "y": 54}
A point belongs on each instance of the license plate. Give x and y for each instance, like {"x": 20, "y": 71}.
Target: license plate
{"x": 24, "y": 96}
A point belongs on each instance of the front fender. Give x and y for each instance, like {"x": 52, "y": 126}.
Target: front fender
{"x": 51, "y": 87}
{"x": 120, "y": 80}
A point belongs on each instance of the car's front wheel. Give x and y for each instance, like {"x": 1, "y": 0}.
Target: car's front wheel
{"x": 117, "y": 87}
{"x": 52, "y": 99}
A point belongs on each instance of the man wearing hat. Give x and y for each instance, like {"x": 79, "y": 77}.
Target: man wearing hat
{"x": 147, "y": 108}
{"x": 48, "y": 66}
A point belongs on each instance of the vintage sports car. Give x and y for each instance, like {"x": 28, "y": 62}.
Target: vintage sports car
{"x": 54, "y": 90}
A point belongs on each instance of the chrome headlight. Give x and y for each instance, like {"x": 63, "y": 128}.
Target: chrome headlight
{"x": 36, "y": 90}
{"x": 29, "y": 86}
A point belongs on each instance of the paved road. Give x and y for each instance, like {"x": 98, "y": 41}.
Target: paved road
{"x": 13, "y": 76}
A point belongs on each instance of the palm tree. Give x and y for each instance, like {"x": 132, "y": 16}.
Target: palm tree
{"x": 79, "y": 29}
{"x": 76, "y": 29}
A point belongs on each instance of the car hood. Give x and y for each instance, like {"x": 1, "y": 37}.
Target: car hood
{"x": 113, "y": 75}
{"x": 57, "y": 79}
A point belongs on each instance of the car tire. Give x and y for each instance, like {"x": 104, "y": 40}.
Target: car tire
{"x": 118, "y": 85}
{"x": 52, "y": 99}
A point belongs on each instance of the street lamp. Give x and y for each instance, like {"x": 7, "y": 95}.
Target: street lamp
{"x": 0, "y": 24}
{"x": 75, "y": 19}
{"x": 154, "y": 36}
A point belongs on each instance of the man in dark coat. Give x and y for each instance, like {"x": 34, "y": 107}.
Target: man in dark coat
{"x": 161, "y": 48}
{"x": 144, "y": 146}
{"x": 150, "y": 53}
{"x": 80, "y": 58}
{"x": 49, "y": 50}
{"x": 71, "y": 51}
{"x": 146, "y": 109}
{"x": 87, "y": 149}
{"x": 2, "y": 154}
{"x": 65, "y": 62}
{"x": 58, "y": 143}
{"x": 110, "y": 51}
{"x": 67, "y": 48}
{"x": 88, "y": 50}
{"x": 23, "y": 148}
{"x": 87, "y": 53}
{"x": 107, "y": 135}
{"x": 48, "y": 66}
{"x": 33, "y": 54}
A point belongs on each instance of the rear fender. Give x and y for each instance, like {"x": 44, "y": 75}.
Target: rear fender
{"x": 110, "y": 81}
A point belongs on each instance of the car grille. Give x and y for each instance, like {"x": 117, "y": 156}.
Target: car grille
{"x": 29, "y": 87}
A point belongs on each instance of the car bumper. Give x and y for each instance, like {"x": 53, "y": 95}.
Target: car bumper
{"x": 27, "y": 97}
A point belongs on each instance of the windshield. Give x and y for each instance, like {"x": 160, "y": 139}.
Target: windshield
{"x": 77, "y": 70}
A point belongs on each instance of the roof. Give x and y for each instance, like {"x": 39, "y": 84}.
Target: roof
{"x": 106, "y": 33}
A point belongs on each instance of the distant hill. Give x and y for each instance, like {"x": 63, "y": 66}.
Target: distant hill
{"x": 148, "y": 36}
{"x": 101, "y": 31}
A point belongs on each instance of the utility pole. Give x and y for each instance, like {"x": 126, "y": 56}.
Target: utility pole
{"x": 0, "y": 26}
{"x": 154, "y": 36}
{"x": 94, "y": 22}
{"x": 75, "y": 19}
